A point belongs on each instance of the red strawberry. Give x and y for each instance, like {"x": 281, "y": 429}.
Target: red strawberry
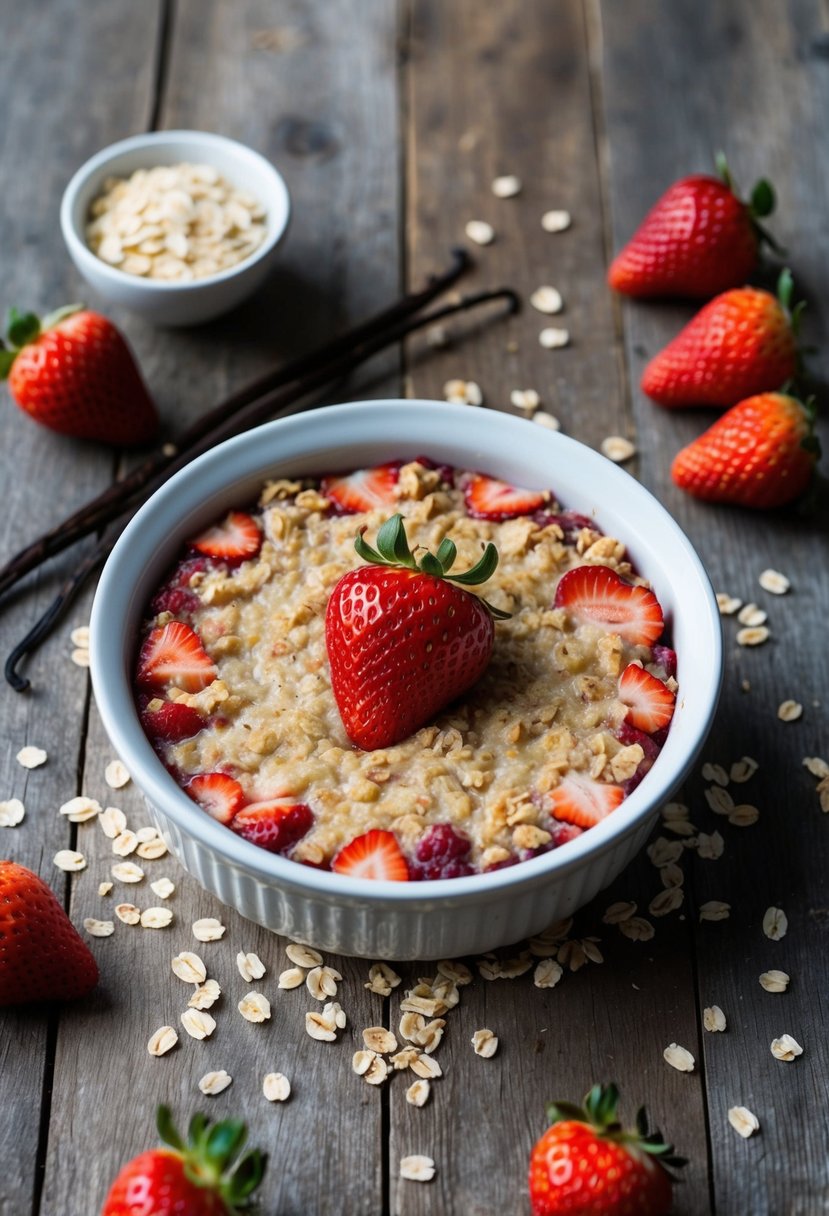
{"x": 761, "y": 453}
{"x": 488, "y": 498}
{"x": 174, "y": 653}
{"x": 403, "y": 641}
{"x": 697, "y": 240}
{"x": 170, "y": 722}
{"x": 193, "y": 1178}
{"x": 363, "y": 490}
{"x": 587, "y": 1164}
{"x": 650, "y": 702}
{"x": 75, "y": 374}
{"x": 235, "y": 539}
{"x": 42, "y": 957}
{"x": 742, "y": 342}
{"x": 596, "y": 595}
{"x": 374, "y": 855}
{"x": 217, "y": 794}
{"x": 274, "y": 825}
{"x": 584, "y": 802}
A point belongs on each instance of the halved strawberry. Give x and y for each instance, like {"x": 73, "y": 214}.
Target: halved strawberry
{"x": 488, "y": 498}
{"x": 274, "y": 825}
{"x": 171, "y": 722}
{"x": 363, "y": 490}
{"x": 650, "y": 702}
{"x": 235, "y": 539}
{"x": 174, "y": 653}
{"x": 584, "y": 802}
{"x": 217, "y": 794}
{"x": 375, "y": 854}
{"x": 598, "y": 596}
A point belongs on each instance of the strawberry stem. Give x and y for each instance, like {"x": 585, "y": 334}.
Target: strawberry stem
{"x": 762, "y": 202}
{"x": 600, "y": 1112}
{"x": 208, "y": 1155}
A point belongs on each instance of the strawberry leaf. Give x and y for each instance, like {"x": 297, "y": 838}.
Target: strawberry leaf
{"x": 167, "y": 1128}
{"x": 483, "y": 569}
{"x": 762, "y": 199}
{"x": 246, "y": 1177}
{"x": 22, "y": 327}
{"x": 224, "y": 1142}
{"x": 392, "y": 543}
{"x": 446, "y": 554}
{"x": 561, "y": 1112}
{"x": 430, "y": 564}
{"x": 7, "y": 358}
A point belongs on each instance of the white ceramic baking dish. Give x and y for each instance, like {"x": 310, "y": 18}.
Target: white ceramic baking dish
{"x": 450, "y": 917}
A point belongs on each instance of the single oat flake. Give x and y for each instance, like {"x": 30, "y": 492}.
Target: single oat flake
{"x": 774, "y": 582}
{"x": 637, "y": 929}
{"x": 164, "y": 1039}
{"x": 752, "y": 615}
{"x": 616, "y": 913}
{"x": 546, "y": 420}
{"x": 547, "y": 973}
{"x": 547, "y": 299}
{"x": 80, "y": 657}
{"x": 152, "y": 850}
{"x": 163, "y": 888}
{"x": 775, "y": 923}
{"x": 189, "y": 967}
{"x": 128, "y": 913}
{"x": 116, "y": 774}
{"x": 744, "y": 1122}
{"x": 417, "y": 1168}
{"x": 480, "y": 232}
{"x": 12, "y": 812}
{"x": 79, "y": 637}
{"x": 98, "y": 928}
{"x": 292, "y": 977}
{"x": 485, "y": 1043}
{"x": 553, "y": 339}
{"x": 303, "y": 956}
{"x": 526, "y": 399}
{"x": 506, "y": 186}
{"x": 789, "y": 711}
{"x": 208, "y": 929}
{"x": 743, "y": 770}
{"x": 206, "y": 995}
{"x": 617, "y": 448}
{"x": 79, "y": 810}
{"x": 679, "y": 1058}
{"x": 556, "y": 221}
{"x": 276, "y": 1087}
{"x": 774, "y": 981}
{"x": 69, "y": 860}
{"x": 113, "y": 822}
{"x": 753, "y": 636}
{"x": 786, "y": 1048}
{"x": 379, "y": 1040}
{"x": 418, "y": 1092}
{"x": 250, "y": 966}
{"x": 255, "y": 1007}
{"x": 713, "y": 1019}
{"x": 462, "y": 392}
{"x": 197, "y": 1023}
{"x": 104, "y": 888}
{"x": 127, "y": 871}
{"x": 714, "y": 772}
{"x": 156, "y": 918}
{"x": 728, "y": 604}
{"x": 213, "y": 1083}
{"x": 714, "y": 909}
{"x": 31, "y": 757}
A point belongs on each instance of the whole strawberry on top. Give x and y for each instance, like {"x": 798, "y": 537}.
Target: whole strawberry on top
{"x": 742, "y": 342}
{"x": 761, "y": 453}
{"x": 588, "y": 1164}
{"x": 403, "y": 637}
{"x": 195, "y": 1177}
{"x": 74, "y": 373}
{"x": 700, "y": 238}
{"x": 42, "y": 956}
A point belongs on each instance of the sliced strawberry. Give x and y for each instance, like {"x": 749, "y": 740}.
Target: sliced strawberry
{"x": 488, "y": 498}
{"x": 363, "y": 490}
{"x": 584, "y": 802}
{"x": 274, "y": 825}
{"x": 217, "y": 794}
{"x": 375, "y": 854}
{"x": 650, "y": 702}
{"x": 236, "y": 538}
{"x": 174, "y": 653}
{"x": 171, "y": 722}
{"x": 598, "y": 596}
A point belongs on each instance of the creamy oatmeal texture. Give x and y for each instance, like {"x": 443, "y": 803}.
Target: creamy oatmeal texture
{"x": 547, "y": 706}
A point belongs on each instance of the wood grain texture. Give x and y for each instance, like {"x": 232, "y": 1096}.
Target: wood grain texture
{"x": 675, "y": 89}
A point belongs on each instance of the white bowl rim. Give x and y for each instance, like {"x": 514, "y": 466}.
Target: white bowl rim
{"x": 279, "y": 203}
{"x": 111, "y": 679}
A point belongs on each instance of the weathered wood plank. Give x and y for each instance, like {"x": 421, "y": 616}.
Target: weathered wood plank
{"x": 48, "y": 60}
{"x": 517, "y": 99}
{"x": 280, "y": 78}
{"x": 676, "y": 88}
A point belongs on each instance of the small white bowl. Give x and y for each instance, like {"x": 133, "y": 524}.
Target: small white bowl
{"x": 160, "y": 302}
{"x": 446, "y": 918}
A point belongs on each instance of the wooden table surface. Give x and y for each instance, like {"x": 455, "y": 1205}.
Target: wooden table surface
{"x": 389, "y": 122}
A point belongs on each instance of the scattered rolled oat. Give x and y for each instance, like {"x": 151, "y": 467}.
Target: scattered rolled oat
{"x": 548, "y": 421}
{"x": 774, "y": 582}
{"x": 276, "y": 1087}
{"x": 208, "y": 929}
{"x": 728, "y": 604}
{"x": 423, "y": 1065}
{"x": 679, "y": 1058}
{"x": 480, "y": 232}
{"x": 671, "y": 876}
{"x": 156, "y": 918}
{"x": 743, "y": 770}
{"x": 463, "y": 392}
{"x": 377, "y": 1070}
{"x": 379, "y": 1040}
{"x": 485, "y": 1043}
{"x": 125, "y": 843}
{"x": 714, "y": 772}
{"x": 753, "y": 636}
{"x": 743, "y": 1121}
{"x": 547, "y": 300}
{"x": 555, "y": 221}
{"x": 322, "y": 982}
{"x": 616, "y": 913}
{"x": 80, "y": 637}
{"x": 713, "y": 1019}
{"x": 162, "y": 1041}
{"x": 664, "y": 852}
{"x": 789, "y": 711}
{"x": 667, "y": 901}
{"x": 752, "y": 615}
{"x": 774, "y": 981}
{"x": 637, "y": 929}
{"x": 31, "y": 757}
{"x": 381, "y": 979}
{"x": 104, "y": 888}
{"x": 78, "y": 810}
{"x": 69, "y": 860}
{"x": 250, "y": 966}
{"x": 80, "y": 657}
{"x": 786, "y": 1048}
{"x": 526, "y": 399}
{"x": 189, "y": 967}
{"x": 128, "y": 913}
{"x": 12, "y": 812}
{"x": 417, "y": 1168}
{"x": 303, "y": 956}
{"x": 291, "y": 978}
{"x": 324, "y": 1026}
{"x": 552, "y": 339}
{"x": 113, "y": 822}
{"x": 214, "y": 1082}
{"x": 547, "y": 973}
{"x": 163, "y": 887}
{"x": 152, "y": 850}
{"x": 418, "y": 1092}
{"x": 506, "y": 186}
{"x": 145, "y": 834}
{"x": 617, "y": 448}
{"x": 255, "y": 1007}
{"x": 719, "y": 800}
{"x": 98, "y": 928}
{"x": 714, "y": 909}
{"x": 710, "y": 848}
{"x": 362, "y": 1060}
{"x": 744, "y": 815}
{"x": 775, "y": 923}
{"x": 197, "y": 1023}
{"x": 455, "y": 971}
{"x": 816, "y": 766}
{"x": 127, "y": 871}
{"x": 116, "y": 774}
{"x": 206, "y": 995}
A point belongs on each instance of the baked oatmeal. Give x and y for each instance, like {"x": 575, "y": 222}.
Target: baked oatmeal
{"x": 234, "y": 688}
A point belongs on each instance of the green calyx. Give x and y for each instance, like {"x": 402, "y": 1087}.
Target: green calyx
{"x": 209, "y": 1153}
{"x": 600, "y": 1112}
{"x": 23, "y": 328}
{"x": 785, "y": 291}
{"x": 760, "y": 204}
{"x": 393, "y": 550}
